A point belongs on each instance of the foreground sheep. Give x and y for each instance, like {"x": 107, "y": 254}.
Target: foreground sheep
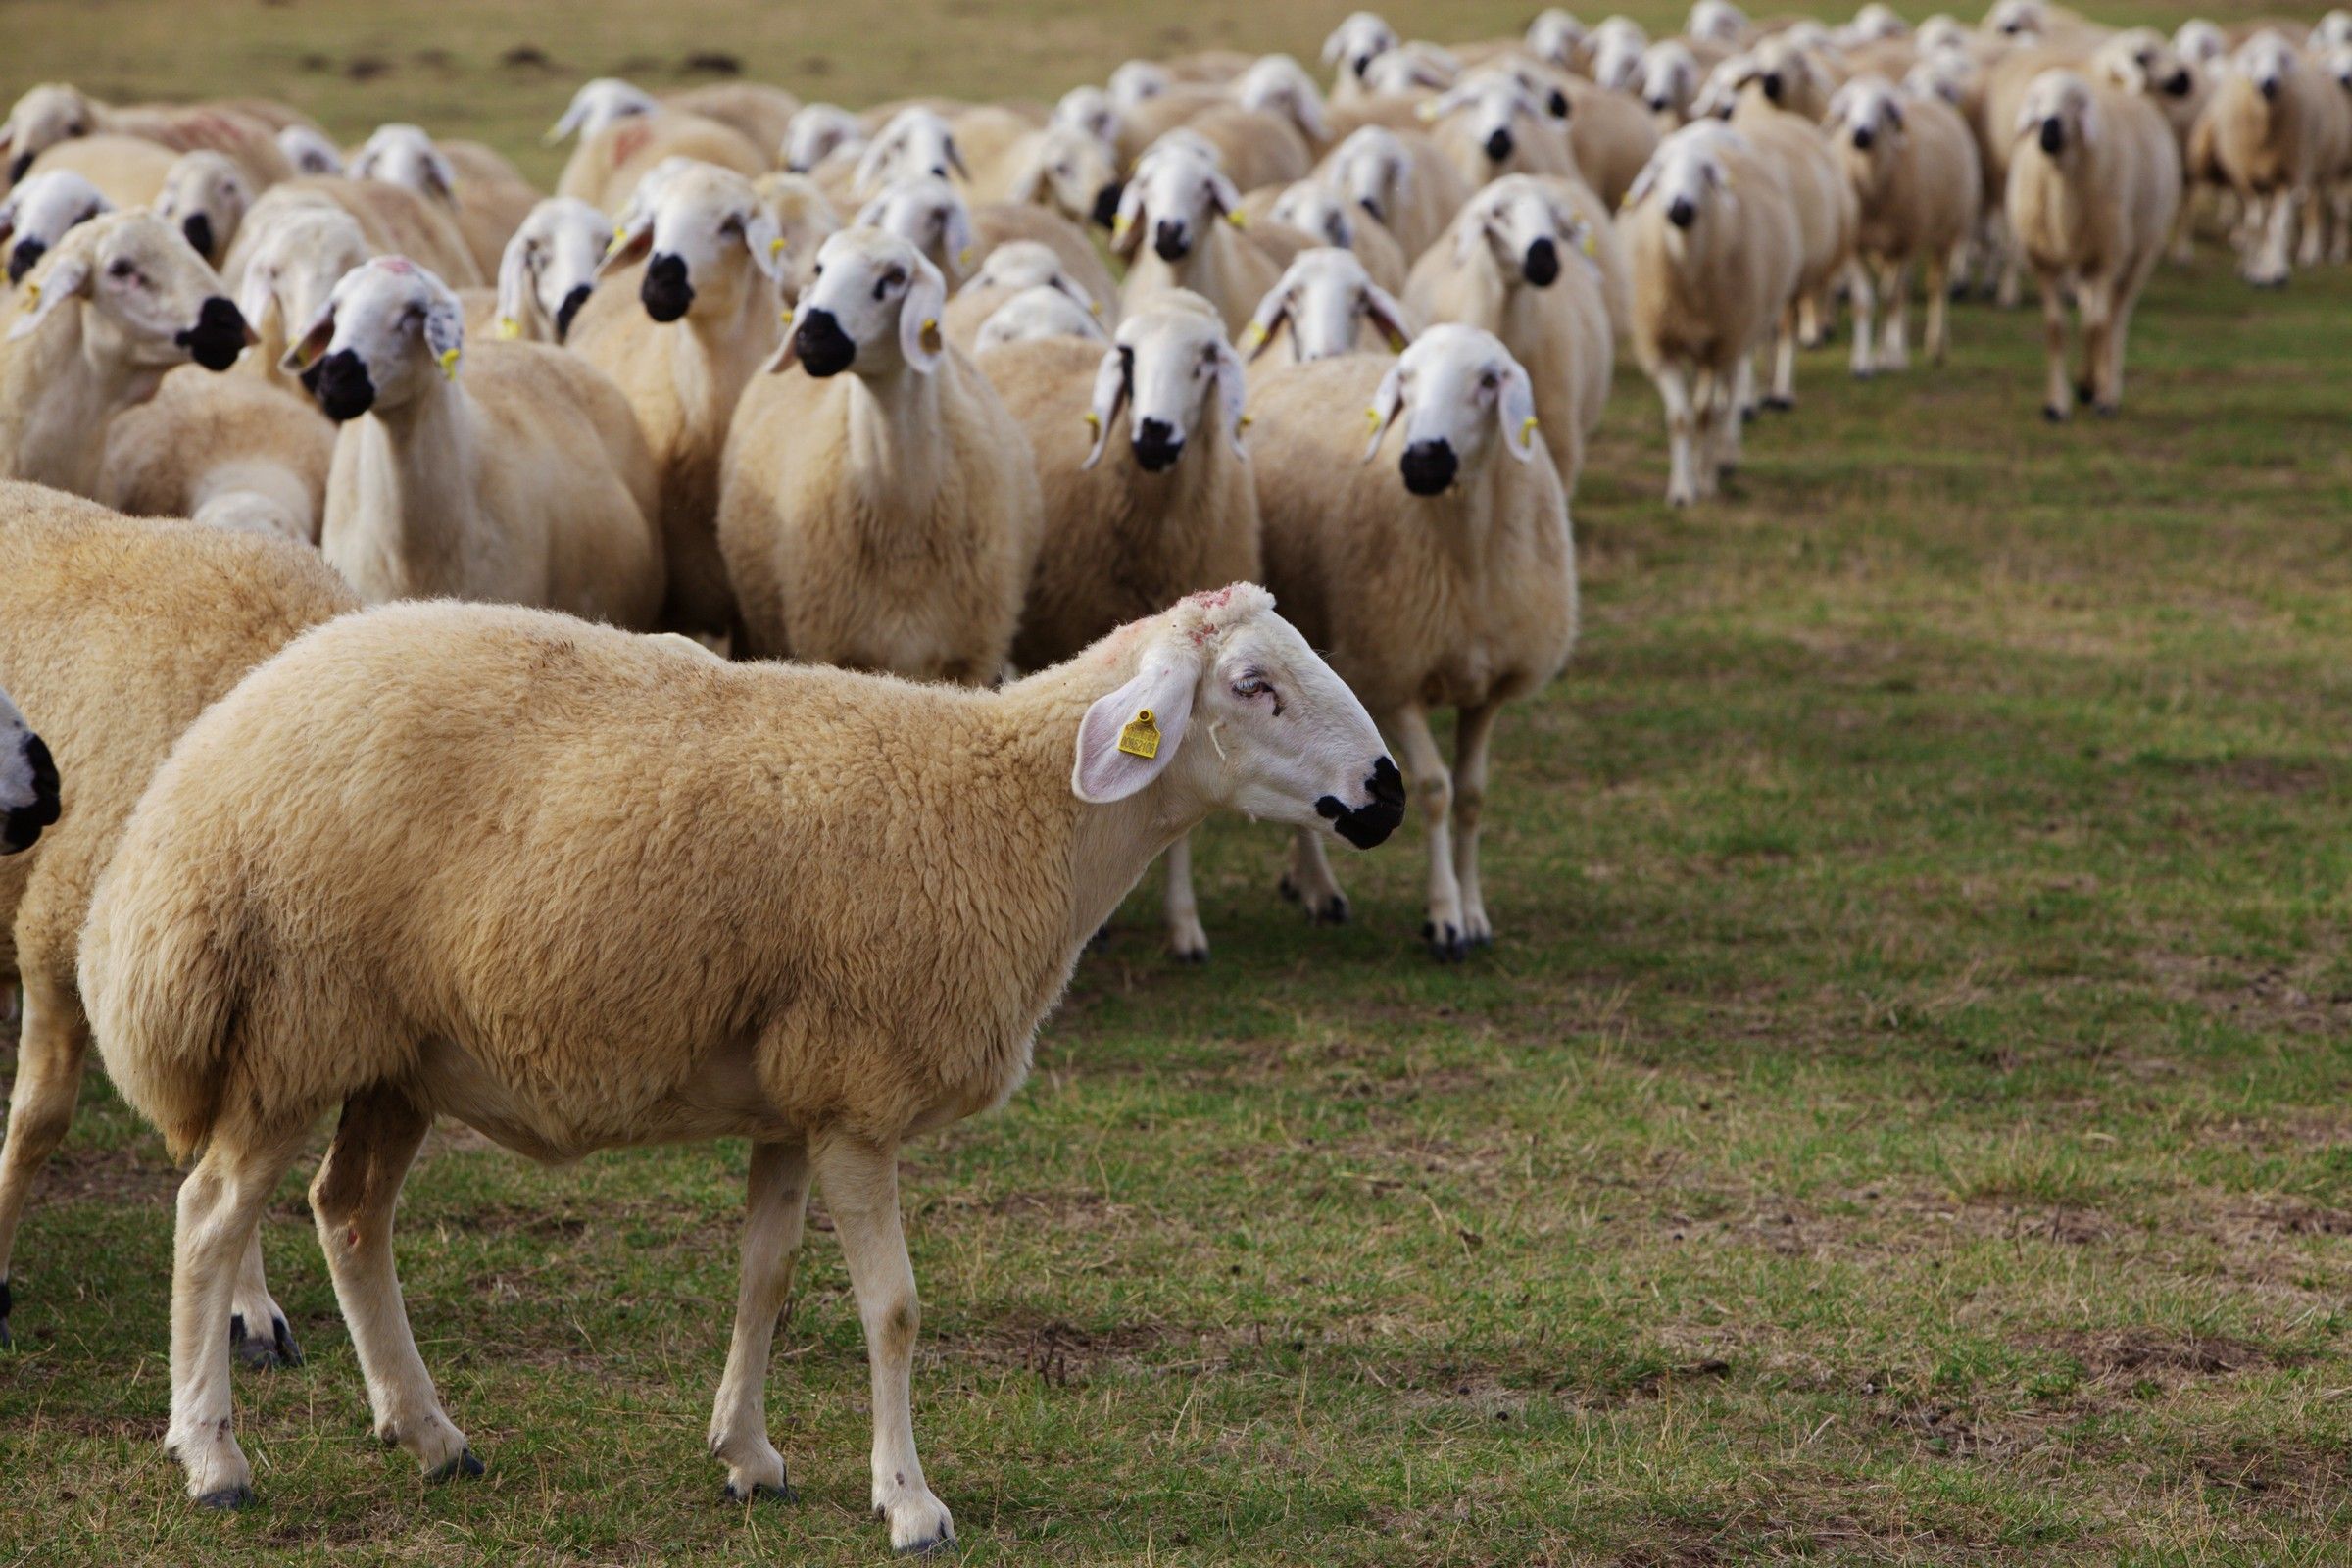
{"x": 1173, "y": 227}
{"x": 1326, "y": 305}
{"x": 115, "y": 634}
{"x": 878, "y": 506}
{"x": 884, "y": 890}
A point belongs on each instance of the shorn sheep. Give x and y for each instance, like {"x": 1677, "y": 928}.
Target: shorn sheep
{"x": 115, "y": 634}
{"x": 1147, "y": 490}
{"x": 28, "y": 802}
{"x": 1443, "y": 577}
{"x": 879, "y": 507}
{"x": 1913, "y": 164}
{"x": 522, "y": 479}
{"x": 884, "y": 890}
{"x": 2094, "y": 185}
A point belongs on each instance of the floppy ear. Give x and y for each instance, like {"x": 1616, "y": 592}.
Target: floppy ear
{"x": 1272, "y": 312}
{"x": 766, "y": 243}
{"x": 1127, "y": 228}
{"x": 440, "y": 174}
{"x": 312, "y": 346}
{"x": 1222, "y": 194}
{"x": 632, "y": 239}
{"x": 955, "y": 160}
{"x": 574, "y": 114}
{"x": 1385, "y": 403}
{"x": 67, "y": 277}
{"x": 1640, "y": 188}
{"x": 518, "y": 282}
{"x": 1309, "y": 113}
{"x": 8, "y": 217}
{"x": 918, "y": 318}
{"x": 445, "y": 333}
{"x": 255, "y": 296}
{"x": 788, "y": 352}
{"x": 1030, "y": 180}
{"x": 2025, "y": 119}
{"x": 1389, "y": 315}
{"x": 1110, "y": 392}
{"x": 1515, "y": 411}
{"x": 1330, "y": 51}
{"x": 1840, "y": 101}
{"x": 1895, "y": 113}
{"x": 870, "y": 163}
{"x": 1129, "y": 737}
{"x": 958, "y": 237}
{"x": 1233, "y": 394}
{"x": 1471, "y": 235}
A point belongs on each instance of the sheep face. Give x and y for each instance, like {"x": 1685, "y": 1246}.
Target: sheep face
{"x": 1326, "y": 296}
{"x": 2016, "y": 18}
{"x": 1669, "y": 81}
{"x": 1717, "y": 21}
{"x": 1280, "y": 85}
{"x": 1037, "y": 313}
{"x": 1090, "y": 111}
{"x": 205, "y": 194}
{"x": 1454, "y": 391}
{"x": 1316, "y": 210}
{"x": 1617, "y": 58}
{"x": 1557, "y": 38}
{"x": 390, "y": 332}
{"x": 2268, "y": 62}
{"x": 404, "y": 155}
{"x": 1415, "y": 67}
{"x": 29, "y": 801}
{"x": 1875, "y": 23}
{"x": 704, "y": 235}
{"x": 1024, "y": 265}
{"x": 549, "y": 267}
{"x": 1867, "y": 116}
{"x": 44, "y": 117}
{"x": 600, "y": 103}
{"x": 1070, "y": 172}
{"x": 2059, "y": 114}
{"x": 1229, "y": 709}
{"x": 915, "y": 142}
{"x": 1173, "y": 372}
{"x": 310, "y": 152}
{"x": 1497, "y": 109}
{"x": 873, "y": 305}
{"x": 36, "y": 214}
{"x": 1358, "y": 41}
{"x": 1177, "y": 193}
{"x": 1687, "y": 178}
{"x": 816, "y": 132}
{"x": 1942, "y": 34}
{"x": 1372, "y": 169}
{"x": 152, "y": 302}
{"x": 1139, "y": 81}
{"x": 296, "y": 264}
{"x": 2143, "y": 61}
{"x": 1529, "y": 235}
{"x": 927, "y": 214}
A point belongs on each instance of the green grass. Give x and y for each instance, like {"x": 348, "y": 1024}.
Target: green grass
{"x": 1905, "y": 1119}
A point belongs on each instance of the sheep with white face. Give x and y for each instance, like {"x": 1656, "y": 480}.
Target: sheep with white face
{"x": 1669, "y": 81}
{"x": 917, "y": 141}
{"x": 310, "y": 151}
{"x": 1618, "y": 46}
{"x": 817, "y": 133}
{"x": 285, "y": 264}
{"x": 1012, "y": 269}
{"x": 1718, "y": 22}
{"x": 1034, "y": 313}
{"x": 603, "y": 102}
{"x": 1557, "y": 38}
{"x": 1327, "y": 305}
{"x": 35, "y": 215}
{"x": 926, "y": 212}
{"x": 28, "y": 782}
{"x": 1280, "y": 85}
{"x": 1489, "y": 123}
{"x": 704, "y": 237}
{"x": 1180, "y": 201}
{"x": 207, "y": 195}
{"x": 404, "y": 155}
{"x": 1139, "y": 81}
{"x": 1067, "y": 169}
{"x": 550, "y": 269}
{"x": 1410, "y": 69}
{"x": 1356, "y": 42}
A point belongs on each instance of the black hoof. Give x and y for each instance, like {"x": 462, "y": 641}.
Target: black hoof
{"x": 465, "y": 1466}
{"x": 1288, "y": 889}
{"x": 761, "y": 1492}
{"x": 1779, "y": 405}
{"x": 1332, "y": 911}
{"x": 1482, "y": 940}
{"x": 2053, "y": 413}
{"x": 942, "y": 1544}
{"x": 261, "y": 1356}
{"x": 228, "y": 1500}
{"x": 1446, "y": 945}
{"x": 1189, "y": 958}
{"x": 2084, "y": 392}
{"x": 2105, "y": 411}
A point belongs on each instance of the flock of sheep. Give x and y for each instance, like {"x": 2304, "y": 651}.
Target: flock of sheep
{"x": 987, "y": 419}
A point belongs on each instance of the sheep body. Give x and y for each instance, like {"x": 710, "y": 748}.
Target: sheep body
{"x": 232, "y": 451}
{"x": 605, "y": 169}
{"x": 1913, "y": 164}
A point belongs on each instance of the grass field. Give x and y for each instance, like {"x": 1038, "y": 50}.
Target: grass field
{"x": 1905, "y": 1118}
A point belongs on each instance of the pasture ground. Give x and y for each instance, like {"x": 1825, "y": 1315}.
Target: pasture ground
{"x": 1905, "y": 1119}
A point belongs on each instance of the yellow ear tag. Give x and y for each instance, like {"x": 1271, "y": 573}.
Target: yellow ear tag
{"x": 1094, "y": 308}
{"x": 1238, "y": 218}
{"x": 1527, "y": 427}
{"x": 1592, "y": 244}
{"x": 1118, "y": 230}
{"x": 963, "y": 258}
{"x": 1397, "y": 344}
{"x": 33, "y": 293}
{"x": 1141, "y": 737}
{"x": 1427, "y": 113}
{"x": 1372, "y": 418}
{"x": 931, "y": 334}
{"x": 620, "y": 237}
{"x": 1254, "y": 336}
{"x": 508, "y": 328}
{"x": 785, "y": 317}
{"x": 778, "y": 246}
{"x": 448, "y": 364}
{"x": 1246, "y": 420}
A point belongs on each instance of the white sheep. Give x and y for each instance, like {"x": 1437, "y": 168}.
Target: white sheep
{"x": 1913, "y": 164}
{"x": 29, "y": 800}
{"x": 1326, "y": 304}
{"x": 1718, "y": 22}
{"x": 116, "y": 303}
{"x": 878, "y": 506}
{"x": 823, "y": 136}
{"x": 1061, "y": 167}
{"x": 243, "y": 451}
{"x": 53, "y": 114}
{"x": 208, "y": 196}
{"x": 605, "y": 169}
{"x": 289, "y": 256}
{"x": 1444, "y": 578}
{"x": 480, "y": 190}
{"x": 1489, "y": 123}
{"x": 2278, "y": 131}
{"x": 1033, "y": 314}
{"x": 1401, "y": 179}
{"x": 524, "y": 479}
{"x": 310, "y": 151}
{"x": 1010, "y": 270}
{"x": 1355, "y": 43}
{"x": 1181, "y": 202}
{"x": 36, "y": 212}
{"x": 921, "y": 866}
{"x": 550, "y": 269}
{"x": 916, "y": 141}
{"x": 1327, "y": 218}
{"x": 1557, "y": 38}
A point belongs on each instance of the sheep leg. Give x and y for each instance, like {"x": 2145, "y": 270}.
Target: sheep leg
{"x": 1432, "y": 784}
{"x": 1721, "y": 427}
{"x": 1187, "y": 939}
{"x": 219, "y": 1203}
{"x": 2308, "y": 250}
{"x": 1810, "y": 331}
{"x": 257, "y": 1325}
{"x": 2111, "y": 372}
{"x": 52, "y": 1042}
{"x": 776, "y": 1201}
{"x": 2058, "y": 400}
{"x": 861, "y": 1189}
{"x": 1940, "y": 320}
{"x": 2339, "y": 215}
{"x": 1896, "y": 353}
{"x": 352, "y": 1200}
{"x": 1864, "y": 359}
{"x": 1310, "y": 879}
{"x": 1473, "y": 733}
{"x": 2093, "y": 301}
{"x": 1674, "y": 390}
{"x": 1784, "y": 364}
{"x": 2279, "y": 232}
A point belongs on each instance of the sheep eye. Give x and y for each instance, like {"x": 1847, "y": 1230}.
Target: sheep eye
{"x": 1489, "y": 380}
{"x": 1252, "y": 686}
{"x": 120, "y": 267}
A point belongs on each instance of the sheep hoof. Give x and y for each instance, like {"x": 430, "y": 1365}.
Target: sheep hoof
{"x": 263, "y": 1355}
{"x": 1289, "y": 890}
{"x": 1332, "y": 911}
{"x": 1190, "y": 956}
{"x": 463, "y": 1467}
{"x": 2105, "y": 411}
{"x": 1778, "y": 404}
{"x": 228, "y": 1500}
{"x": 1445, "y": 943}
{"x": 2053, "y": 413}
{"x": 2082, "y": 392}
{"x": 763, "y": 1492}
{"x": 942, "y": 1544}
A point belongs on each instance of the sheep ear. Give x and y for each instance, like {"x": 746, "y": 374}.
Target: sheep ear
{"x": 255, "y": 297}
{"x": 1128, "y": 737}
{"x": 1385, "y": 403}
{"x": 1030, "y": 182}
{"x": 1472, "y": 234}
{"x": 632, "y": 241}
{"x": 1332, "y": 46}
{"x": 1895, "y": 113}
{"x": 918, "y": 319}
{"x": 1389, "y": 315}
{"x": 67, "y": 277}
{"x": 1233, "y": 395}
{"x": 2025, "y": 119}
{"x": 1272, "y": 312}
{"x": 1221, "y": 191}
{"x": 517, "y": 283}
{"x": 441, "y": 174}
{"x": 955, "y": 160}
{"x": 1110, "y": 393}
{"x": 1127, "y": 228}
{"x": 1640, "y": 188}
{"x": 8, "y": 217}
{"x": 311, "y": 347}
{"x": 1309, "y": 113}
{"x": 1840, "y": 101}
{"x": 960, "y": 240}
{"x": 879, "y": 152}
{"x": 445, "y": 333}
{"x": 1515, "y": 411}
{"x": 574, "y": 114}
{"x": 788, "y": 352}
{"x": 766, "y": 243}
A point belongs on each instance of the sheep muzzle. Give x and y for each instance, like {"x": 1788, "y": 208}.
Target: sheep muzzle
{"x": 1429, "y": 467}
{"x": 1543, "y": 263}
{"x": 1365, "y": 826}
{"x": 20, "y": 260}
{"x": 667, "y": 294}
{"x": 199, "y": 229}
{"x": 823, "y": 348}
{"x": 218, "y": 337}
{"x": 341, "y": 384}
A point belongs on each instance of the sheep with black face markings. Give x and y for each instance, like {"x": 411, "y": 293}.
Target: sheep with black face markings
{"x": 1181, "y": 202}
{"x": 1913, "y": 164}
{"x": 207, "y": 195}
{"x": 1326, "y": 305}
{"x": 1401, "y": 179}
{"x": 36, "y": 214}
{"x": 1013, "y": 269}
{"x": 549, "y": 270}
{"x": 27, "y": 793}
{"x": 2278, "y": 129}
{"x": 52, "y": 113}
{"x": 1326, "y": 217}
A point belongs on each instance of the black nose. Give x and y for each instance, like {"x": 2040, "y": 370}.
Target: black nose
{"x": 1158, "y": 445}
{"x": 1371, "y": 205}
{"x": 199, "y": 229}
{"x": 341, "y": 385}
{"x": 218, "y": 337}
{"x": 1557, "y": 103}
{"x": 823, "y": 346}
{"x": 1681, "y": 214}
{"x": 1863, "y": 137}
{"x": 2053, "y": 136}
{"x": 1499, "y": 144}
{"x": 2177, "y": 84}
{"x": 1429, "y": 467}
{"x": 2270, "y": 88}
{"x": 666, "y": 292}
{"x": 23, "y": 823}
{"x": 1170, "y": 240}
{"x": 1368, "y": 825}
{"x": 17, "y": 166}
{"x": 20, "y": 262}
{"x": 570, "y": 309}
{"x": 1106, "y": 205}
{"x": 1657, "y": 106}
{"x": 1772, "y": 85}
{"x": 1543, "y": 264}
{"x": 1363, "y": 63}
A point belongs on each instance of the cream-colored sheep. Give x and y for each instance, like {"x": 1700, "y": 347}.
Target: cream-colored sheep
{"x": 920, "y": 865}
{"x": 827, "y": 140}
{"x": 129, "y": 170}
{"x": 682, "y": 337}
{"x": 1034, "y": 313}
{"x": 1521, "y": 262}
{"x": 762, "y": 112}
{"x": 1828, "y": 217}
{"x": 1490, "y": 124}
{"x": 1140, "y": 513}
{"x": 1671, "y": 74}
{"x": 290, "y": 254}
{"x": 1714, "y": 251}
{"x": 511, "y": 473}
{"x": 1448, "y": 580}
{"x": 2278, "y": 130}
{"x": 605, "y": 169}
{"x": 52, "y": 113}
{"x": 1012, "y": 271}
{"x": 483, "y": 195}
{"x": 1354, "y": 44}
{"x": 549, "y": 270}
{"x": 1326, "y": 217}
{"x": 114, "y": 304}
{"x": 1061, "y": 168}
{"x": 1401, "y": 179}
{"x": 1181, "y": 202}
{"x": 1278, "y": 84}
{"x": 916, "y": 141}
{"x": 396, "y": 221}
{"x": 1326, "y": 304}
{"x": 29, "y": 805}
{"x": 1557, "y": 38}
{"x": 309, "y": 151}
{"x": 1913, "y": 164}
{"x": 115, "y": 635}
{"x": 2092, "y": 190}
{"x": 1719, "y": 21}
{"x": 231, "y": 451}
{"x": 957, "y": 238}
{"x": 879, "y": 507}
{"x": 37, "y": 211}
{"x": 207, "y": 195}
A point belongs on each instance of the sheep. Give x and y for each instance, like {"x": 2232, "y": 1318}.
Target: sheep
{"x": 549, "y": 270}
{"x": 597, "y": 105}
{"x": 2090, "y": 199}
{"x": 1032, "y": 314}
{"x": 230, "y": 450}
{"x": 1520, "y": 263}
{"x": 1557, "y": 38}
{"x": 928, "y": 212}
{"x": 1714, "y": 251}
{"x": 114, "y": 304}
{"x": 1278, "y": 84}
{"x": 1354, "y": 44}
{"x": 1913, "y": 164}
{"x": 1009, "y": 271}
{"x": 605, "y": 169}
{"x": 1325, "y": 217}
{"x": 1614, "y": 55}
{"x": 762, "y": 112}
{"x": 1325, "y": 305}
{"x": 1719, "y": 21}
{"x": 1254, "y": 147}
{"x": 524, "y": 479}
{"x": 916, "y": 141}
{"x": 804, "y": 218}
{"x": 207, "y": 195}
{"x": 1401, "y": 179}
{"x": 36, "y": 214}
{"x": 908, "y": 1005}
{"x": 394, "y": 219}
{"x": 682, "y": 345}
{"x": 1135, "y": 523}
{"x": 823, "y": 134}
{"x": 1820, "y": 196}
{"x": 290, "y": 254}
{"x": 1490, "y": 124}
{"x": 52, "y": 113}
{"x": 486, "y": 199}
{"x": 1457, "y": 588}
{"x": 115, "y": 635}
{"x": 1182, "y": 201}
{"x": 1670, "y": 79}
{"x": 309, "y": 151}
{"x": 2278, "y": 131}
{"x": 129, "y": 170}
{"x": 878, "y": 508}
{"x": 28, "y": 801}
{"x": 1063, "y": 169}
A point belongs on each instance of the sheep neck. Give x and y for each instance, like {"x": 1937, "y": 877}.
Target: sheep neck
{"x": 417, "y": 489}
{"x": 55, "y": 399}
{"x": 894, "y": 429}
{"x": 714, "y": 354}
